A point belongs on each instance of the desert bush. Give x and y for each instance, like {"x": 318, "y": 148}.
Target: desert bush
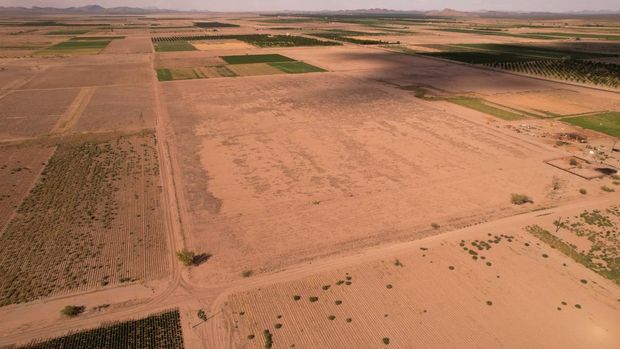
{"x": 607, "y": 189}
{"x": 386, "y": 340}
{"x": 202, "y": 315}
{"x": 73, "y": 310}
{"x": 435, "y": 226}
{"x": 313, "y": 299}
{"x": 186, "y": 257}
{"x": 582, "y": 191}
{"x": 247, "y": 273}
{"x": 520, "y": 199}
{"x": 268, "y": 339}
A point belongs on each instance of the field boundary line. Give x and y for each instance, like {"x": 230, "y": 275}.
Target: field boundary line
{"x": 75, "y": 110}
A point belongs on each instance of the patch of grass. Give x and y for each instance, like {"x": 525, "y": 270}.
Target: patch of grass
{"x": 171, "y": 46}
{"x": 520, "y": 199}
{"x": 248, "y": 59}
{"x": 296, "y": 67}
{"x": 481, "y": 106}
{"x": 608, "y": 123}
{"x": 164, "y": 75}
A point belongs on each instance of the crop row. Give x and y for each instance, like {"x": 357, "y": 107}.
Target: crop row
{"x": 93, "y": 219}
{"x": 260, "y": 40}
{"x": 162, "y": 330}
{"x": 587, "y": 72}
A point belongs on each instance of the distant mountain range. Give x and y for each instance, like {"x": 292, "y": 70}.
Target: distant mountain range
{"x": 379, "y": 12}
{"x": 88, "y": 9}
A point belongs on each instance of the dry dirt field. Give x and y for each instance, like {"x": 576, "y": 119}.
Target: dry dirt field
{"x": 360, "y": 193}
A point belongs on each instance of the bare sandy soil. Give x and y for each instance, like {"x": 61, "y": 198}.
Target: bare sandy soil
{"x": 284, "y": 157}
{"x": 337, "y": 185}
{"x": 434, "y": 294}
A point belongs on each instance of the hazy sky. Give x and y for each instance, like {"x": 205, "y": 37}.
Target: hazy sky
{"x": 271, "y": 5}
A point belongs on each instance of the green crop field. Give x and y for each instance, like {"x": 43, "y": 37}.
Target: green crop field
{"x": 215, "y": 25}
{"x": 502, "y": 53}
{"x": 162, "y": 330}
{"x": 177, "y": 45}
{"x": 246, "y": 59}
{"x": 608, "y": 123}
{"x": 582, "y": 35}
{"x": 580, "y": 71}
{"x": 76, "y": 47}
{"x": 164, "y": 75}
{"x": 296, "y": 67}
{"x": 540, "y": 36}
{"x": 68, "y": 32}
{"x": 259, "y": 40}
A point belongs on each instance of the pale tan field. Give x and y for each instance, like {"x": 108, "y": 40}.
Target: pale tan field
{"x": 347, "y": 185}
{"x": 344, "y": 147}
{"x": 206, "y": 45}
{"x": 432, "y": 293}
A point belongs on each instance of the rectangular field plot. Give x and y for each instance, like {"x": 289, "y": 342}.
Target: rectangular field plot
{"x": 33, "y": 113}
{"x": 247, "y": 59}
{"x": 157, "y": 331}
{"x": 182, "y": 43}
{"x": 324, "y": 155}
{"x": 118, "y": 108}
{"x": 296, "y": 67}
{"x": 87, "y": 75}
{"x": 108, "y": 232}
{"x": 209, "y": 45}
{"x": 20, "y": 166}
{"x": 78, "y": 46}
{"x": 242, "y": 65}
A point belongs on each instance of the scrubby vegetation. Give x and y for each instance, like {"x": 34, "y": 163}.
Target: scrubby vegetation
{"x": 162, "y": 330}
{"x": 109, "y": 231}
{"x": 600, "y": 229}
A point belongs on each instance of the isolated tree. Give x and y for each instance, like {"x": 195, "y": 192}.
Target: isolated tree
{"x": 186, "y": 257}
